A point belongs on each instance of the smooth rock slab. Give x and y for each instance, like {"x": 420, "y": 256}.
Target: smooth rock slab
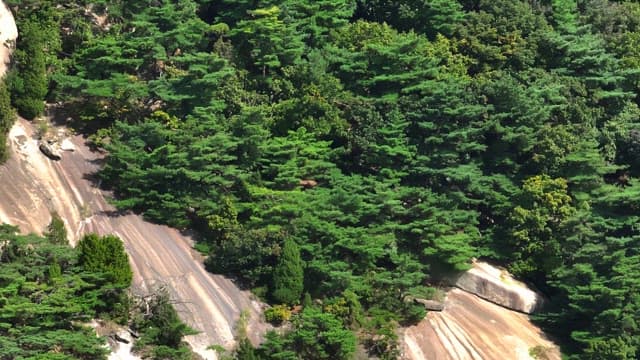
{"x": 499, "y": 287}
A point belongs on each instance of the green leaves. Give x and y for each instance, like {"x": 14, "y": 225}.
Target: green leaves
{"x": 387, "y": 140}
{"x": 288, "y": 275}
{"x": 29, "y": 83}
{"x": 45, "y": 297}
{"x": 538, "y": 225}
{"x": 7, "y": 116}
{"x": 316, "y": 335}
{"x": 105, "y": 254}
{"x": 267, "y": 40}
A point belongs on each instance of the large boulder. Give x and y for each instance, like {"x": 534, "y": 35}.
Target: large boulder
{"x": 49, "y": 150}
{"x": 498, "y": 286}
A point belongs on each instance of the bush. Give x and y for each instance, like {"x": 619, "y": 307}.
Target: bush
{"x": 277, "y": 314}
{"x": 30, "y": 108}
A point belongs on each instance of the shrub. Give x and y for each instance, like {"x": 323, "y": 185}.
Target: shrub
{"x": 277, "y": 314}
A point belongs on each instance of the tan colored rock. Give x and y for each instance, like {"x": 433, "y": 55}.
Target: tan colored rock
{"x": 8, "y": 36}
{"x": 67, "y": 145}
{"x": 49, "y": 150}
{"x": 470, "y": 328}
{"x": 499, "y": 287}
{"x": 31, "y": 186}
{"x": 431, "y": 305}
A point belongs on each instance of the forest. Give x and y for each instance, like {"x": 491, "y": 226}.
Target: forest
{"x": 342, "y": 155}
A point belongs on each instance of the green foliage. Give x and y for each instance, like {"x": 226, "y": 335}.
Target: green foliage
{"x": 319, "y": 335}
{"x": 7, "y": 116}
{"x": 105, "y": 254}
{"x": 245, "y": 351}
{"x": 288, "y": 275}
{"x": 277, "y": 314}
{"x": 426, "y": 17}
{"x": 56, "y": 231}
{"x": 355, "y": 150}
{"x": 162, "y": 329}
{"x": 315, "y": 335}
{"x": 46, "y": 298}
{"x": 267, "y": 41}
{"x": 543, "y": 209}
{"x": 28, "y": 84}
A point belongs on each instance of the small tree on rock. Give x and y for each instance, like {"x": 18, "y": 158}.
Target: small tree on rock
{"x": 56, "y": 231}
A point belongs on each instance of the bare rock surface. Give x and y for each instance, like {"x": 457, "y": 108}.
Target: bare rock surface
{"x": 498, "y": 286}
{"x": 31, "y": 185}
{"x": 8, "y": 36}
{"x": 470, "y": 328}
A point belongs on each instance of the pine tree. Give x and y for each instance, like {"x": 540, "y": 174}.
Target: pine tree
{"x": 266, "y": 41}
{"x": 56, "y": 231}
{"x": 245, "y": 351}
{"x": 105, "y": 254}
{"x": 29, "y": 84}
{"x": 288, "y": 275}
{"x": 6, "y": 120}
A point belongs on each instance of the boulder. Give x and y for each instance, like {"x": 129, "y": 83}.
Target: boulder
{"x": 498, "y": 286}
{"x": 49, "y": 151}
{"x": 121, "y": 339}
{"x": 431, "y": 305}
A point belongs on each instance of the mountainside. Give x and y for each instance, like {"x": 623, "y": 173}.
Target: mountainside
{"x": 338, "y": 159}
{"x": 8, "y": 35}
{"x": 33, "y": 185}
{"x": 483, "y": 318}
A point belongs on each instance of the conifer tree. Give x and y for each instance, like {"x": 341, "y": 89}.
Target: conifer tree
{"x": 105, "y": 254}
{"x": 288, "y": 275}
{"x": 56, "y": 231}
{"x": 245, "y": 351}
{"x": 29, "y": 83}
{"x": 266, "y": 41}
{"x": 6, "y": 120}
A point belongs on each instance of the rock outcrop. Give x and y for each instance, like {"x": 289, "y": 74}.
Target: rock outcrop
{"x": 49, "y": 150}
{"x": 31, "y": 186}
{"x": 477, "y": 323}
{"x": 470, "y": 328}
{"x": 499, "y": 287}
{"x": 8, "y": 36}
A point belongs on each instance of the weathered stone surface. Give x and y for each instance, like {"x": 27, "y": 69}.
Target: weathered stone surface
{"x": 8, "y": 36}
{"x": 431, "y": 305}
{"x": 470, "y": 328}
{"x": 31, "y": 186}
{"x": 49, "y": 151}
{"x": 67, "y": 145}
{"x": 498, "y": 286}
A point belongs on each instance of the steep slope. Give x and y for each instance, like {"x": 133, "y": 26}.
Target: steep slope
{"x": 32, "y": 185}
{"x": 8, "y": 34}
{"x": 480, "y": 327}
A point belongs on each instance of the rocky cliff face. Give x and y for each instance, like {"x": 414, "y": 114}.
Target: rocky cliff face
{"x": 8, "y": 36}
{"x": 32, "y": 185}
{"x": 477, "y": 322}
{"x": 498, "y": 286}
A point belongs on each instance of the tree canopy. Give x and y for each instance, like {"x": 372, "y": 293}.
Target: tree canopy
{"x": 356, "y": 150}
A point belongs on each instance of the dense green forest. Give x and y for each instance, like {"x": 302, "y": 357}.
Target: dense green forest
{"x": 48, "y": 295}
{"x": 342, "y": 154}
{"x": 50, "y": 292}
